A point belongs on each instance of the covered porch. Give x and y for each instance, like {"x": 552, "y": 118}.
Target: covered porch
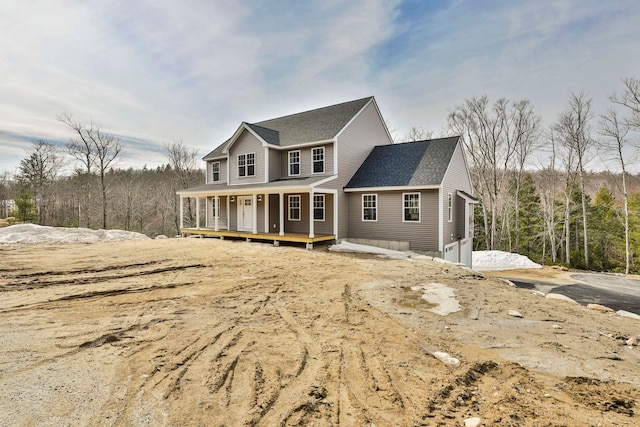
{"x": 305, "y": 215}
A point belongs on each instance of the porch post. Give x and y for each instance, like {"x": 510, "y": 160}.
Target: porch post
{"x": 181, "y": 213}
{"x": 267, "y": 223}
{"x": 254, "y": 206}
{"x": 216, "y": 211}
{"x": 311, "y": 221}
{"x": 281, "y": 196}
{"x": 198, "y": 213}
{"x": 229, "y": 213}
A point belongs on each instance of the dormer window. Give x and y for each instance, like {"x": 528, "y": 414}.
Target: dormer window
{"x": 317, "y": 157}
{"x": 294, "y": 162}
{"x": 246, "y": 165}
{"x": 215, "y": 172}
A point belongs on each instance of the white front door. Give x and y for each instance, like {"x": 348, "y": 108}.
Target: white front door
{"x": 245, "y": 213}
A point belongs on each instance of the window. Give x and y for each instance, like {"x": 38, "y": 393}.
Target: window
{"x": 369, "y": 207}
{"x": 294, "y": 162}
{"x": 450, "y": 207}
{"x": 215, "y": 171}
{"x": 294, "y": 208}
{"x": 411, "y": 207}
{"x": 318, "y": 207}
{"x": 317, "y": 156}
{"x": 215, "y": 208}
{"x": 246, "y": 164}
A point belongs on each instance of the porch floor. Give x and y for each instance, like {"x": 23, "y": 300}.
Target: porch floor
{"x": 276, "y": 237}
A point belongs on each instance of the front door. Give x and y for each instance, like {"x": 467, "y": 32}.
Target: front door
{"x": 245, "y": 213}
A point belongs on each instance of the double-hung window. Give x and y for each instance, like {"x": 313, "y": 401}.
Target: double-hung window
{"x": 246, "y": 164}
{"x": 294, "y": 162}
{"x": 294, "y": 208}
{"x": 318, "y": 207}
{"x": 449, "y": 207}
{"x": 317, "y": 157}
{"x": 369, "y": 207}
{"x": 411, "y": 207}
{"x": 215, "y": 171}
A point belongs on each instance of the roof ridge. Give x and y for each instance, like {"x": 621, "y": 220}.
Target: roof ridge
{"x": 315, "y": 109}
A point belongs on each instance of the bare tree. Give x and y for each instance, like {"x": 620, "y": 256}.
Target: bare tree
{"x": 630, "y": 99}
{"x": 183, "y": 162}
{"x": 417, "y": 133}
{"x": 38, "y": 170}
{"x": 573, "y": 127}
{"x": 93, "y": 147}
{"x": 616, "y": 145}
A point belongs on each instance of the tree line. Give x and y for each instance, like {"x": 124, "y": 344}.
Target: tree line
{"x": 536, "y": 194}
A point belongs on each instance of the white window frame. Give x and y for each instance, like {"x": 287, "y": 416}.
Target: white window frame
{"x": 298, "y": 208}
{"x": 321, "y": 152}
{"x": 449, "y": 207}
{"x": 216, "y": 209}
{"x": 405, "y": 207}
{"x": 320, "y": 200}
{"x": 374, "y": 206}
{"x": 290, "y": 163}
{"x": 214, "y": 171}
{"x": 248, "y": 160}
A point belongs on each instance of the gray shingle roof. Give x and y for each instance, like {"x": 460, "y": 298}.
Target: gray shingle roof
{"x": 407, "y": 164}
{"x": 320, "y": 124}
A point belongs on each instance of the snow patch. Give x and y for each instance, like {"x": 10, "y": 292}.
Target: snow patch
{"x": 441, "y": 295}
{"x": 500, "y": 260}
{"x": 354, "y": 247}
{"x": 32, "y": 233}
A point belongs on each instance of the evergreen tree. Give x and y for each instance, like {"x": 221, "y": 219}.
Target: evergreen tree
{"x": 530, "y": 220}
{"x": 26, "y": 208}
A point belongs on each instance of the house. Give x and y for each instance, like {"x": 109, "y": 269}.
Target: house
{"x": 333, "y": 173}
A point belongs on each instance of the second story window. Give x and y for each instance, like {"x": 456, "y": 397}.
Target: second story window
{"x": 215, "y": 171}
{"x": 294, "y": 162}
{"x": 246, "y": 164}
{"x": 317, "y": 156}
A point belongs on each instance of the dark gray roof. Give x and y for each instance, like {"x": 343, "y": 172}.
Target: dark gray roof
{"x": 320, "y": 124}
{"x": 285, "y": 182}
{"x": 407, "y": 164}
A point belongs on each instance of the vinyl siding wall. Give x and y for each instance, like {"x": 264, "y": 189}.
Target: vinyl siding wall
{"x": 353, "y": 146}
{"x": 421, "y": 235}
{"x": 456, "y": 178}
{"x": 223, "y": 220}
{"x": 275, "y": 164}
{"x": 302, "y": 226}
{"x": 246, "y": 144}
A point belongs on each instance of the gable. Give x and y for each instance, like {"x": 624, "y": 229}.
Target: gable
{"x": 420, "y": 163}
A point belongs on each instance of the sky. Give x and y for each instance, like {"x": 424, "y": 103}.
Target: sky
{"x": 155, "y": 72}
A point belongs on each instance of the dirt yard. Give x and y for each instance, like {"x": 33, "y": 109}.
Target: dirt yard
{"x": 203, "y": 332}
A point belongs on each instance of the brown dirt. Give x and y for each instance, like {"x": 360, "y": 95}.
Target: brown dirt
{"x": 219, "y": 333}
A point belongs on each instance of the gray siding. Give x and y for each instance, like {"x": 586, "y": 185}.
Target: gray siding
{"x": 421, "y": 235}
{"x": 275, "y": 161}
{"x": 326, "y": 226}
{"x": 353, "y": 146}
{"x": 455, "y": 179}
{"x": 245, "y": 144}
{"x": 223, "y": 220}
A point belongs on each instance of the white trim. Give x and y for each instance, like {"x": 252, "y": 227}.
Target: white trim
{"x": 440, "y": 221}
{"x": 266, "y": 164}
{"x": 238, "y": 132}
{"x": 299, "y": 207}
{"x": 313, "y": 207}
{"x": 393, "y": 188}
{"x": 302, "y": 145}
{"x": 289, "y": 163}
{"x": 254, "y": 214}
{"x": 246, "y": 165}
{"x": 449, "y": 207}
{"x": 335, "y": 214}
{"x": 419, "y": 208}
{"x": 267, "y": 223}
{"x": 311, "y": 220}
{"x": 362, "y": 207}
{"x": 324, "y": 163}
{"x": 219, "y": 172}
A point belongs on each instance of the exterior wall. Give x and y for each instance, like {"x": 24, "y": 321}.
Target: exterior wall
{"x": 353, "y": 146}
{"x": 274, "y": 164}
{"x": 301, "y": 226}
{"x": 306, "y": 161}
{"x": 456, "y": 178}
{"x": 274, "y": 213}
{"x": 222, "y": 220}
{"x": 246, "y": 143}
{"x": 421, "y": 235}
{"x": 223, "y": 171}
{"x": 326, "y": 226}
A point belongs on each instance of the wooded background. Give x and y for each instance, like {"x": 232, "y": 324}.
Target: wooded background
{"x": 562, "y": 193}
